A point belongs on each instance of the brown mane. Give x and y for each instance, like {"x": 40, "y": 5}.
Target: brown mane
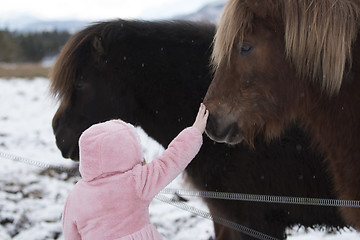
{"x": 64, "y": 71}
{"x": 318, "y": 34}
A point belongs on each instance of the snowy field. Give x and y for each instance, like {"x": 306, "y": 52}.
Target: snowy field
{"x": 32, "y": 198}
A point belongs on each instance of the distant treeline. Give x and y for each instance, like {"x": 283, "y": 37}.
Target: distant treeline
{"x": 30, "y": 47}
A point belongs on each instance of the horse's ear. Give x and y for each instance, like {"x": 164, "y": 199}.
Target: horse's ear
{"x": 98, "y": 50}
{"x": 98, "y": 46}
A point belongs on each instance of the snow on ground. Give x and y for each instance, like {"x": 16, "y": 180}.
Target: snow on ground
{"x": 32, "y": 198}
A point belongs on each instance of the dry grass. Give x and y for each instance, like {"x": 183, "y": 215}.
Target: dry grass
{"x": 23, "y": 70}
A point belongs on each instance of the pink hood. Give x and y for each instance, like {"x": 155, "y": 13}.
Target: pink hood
{"x": 109, "y": 147}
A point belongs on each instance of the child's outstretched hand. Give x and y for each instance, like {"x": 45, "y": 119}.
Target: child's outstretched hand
{"x": 201, "y": 118}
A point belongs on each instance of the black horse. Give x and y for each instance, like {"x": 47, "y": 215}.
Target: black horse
{"x": 155, "y": 74}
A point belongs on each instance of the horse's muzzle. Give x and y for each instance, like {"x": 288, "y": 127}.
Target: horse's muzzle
{"x": 66, "y": 140}
{"x": 68, "y": 150}
{"x": 222, "y": 130}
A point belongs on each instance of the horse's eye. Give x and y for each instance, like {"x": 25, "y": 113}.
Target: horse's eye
{"x": 245, "y": 48}
{"x": 79, "y": 85}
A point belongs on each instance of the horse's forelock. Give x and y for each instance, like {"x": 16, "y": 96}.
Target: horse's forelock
{"x": 318, "y": 34}
{"x": 236, "y": 19}
{"x": 66, "y": 67}
{"x": 63, "y": 73}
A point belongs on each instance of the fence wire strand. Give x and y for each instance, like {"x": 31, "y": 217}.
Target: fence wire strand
{"x": 264, "y": 198}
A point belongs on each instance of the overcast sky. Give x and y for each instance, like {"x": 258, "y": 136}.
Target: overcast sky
{"x": 97, "y": 9}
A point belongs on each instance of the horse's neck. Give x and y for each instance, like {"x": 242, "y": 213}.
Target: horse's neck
{"x": 335, "y": 122}
{"x": 335, "y": 128}
{"x": 338, "y": 118}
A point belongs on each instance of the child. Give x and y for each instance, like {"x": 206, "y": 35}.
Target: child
{"x": 112, "y": 199}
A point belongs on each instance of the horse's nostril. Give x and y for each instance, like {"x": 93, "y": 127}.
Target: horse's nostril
{"x": 213, "y": 128}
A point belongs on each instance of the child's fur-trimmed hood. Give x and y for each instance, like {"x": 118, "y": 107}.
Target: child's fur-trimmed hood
{"x": 108, "y": 147}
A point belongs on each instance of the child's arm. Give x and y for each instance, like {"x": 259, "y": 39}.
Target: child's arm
{"x": 153, "y": 177}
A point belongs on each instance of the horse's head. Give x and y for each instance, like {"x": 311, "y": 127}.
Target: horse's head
{"x": 243, "y": 95}
{"x": 151, "y": 74}
{"x": 87, "y": 92}
{"x": 270, "y": 58}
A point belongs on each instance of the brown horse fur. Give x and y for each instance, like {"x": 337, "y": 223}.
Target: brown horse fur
{"x": 303, "y": 66}
{"x": 318, "y": 34}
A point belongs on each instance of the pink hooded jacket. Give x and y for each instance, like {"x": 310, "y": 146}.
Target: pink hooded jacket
{"x": 112, "y": 199}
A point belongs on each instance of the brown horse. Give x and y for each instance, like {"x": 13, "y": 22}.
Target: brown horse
{"x": 154, "y": 74}
{"x": 280, "y": 61}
